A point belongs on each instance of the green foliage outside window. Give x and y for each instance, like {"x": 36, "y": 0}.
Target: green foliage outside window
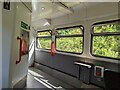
{"x": 70, "y": 44}
{"x": 107, "y": 45}
{"x": 47, "y": 33}
{"x": 71, "y": 31}
{"x": 73, "y": 44}
{"x": 44, "y": 43}
{"x": 107, "y": 28}
{"x": 44, "y": 39}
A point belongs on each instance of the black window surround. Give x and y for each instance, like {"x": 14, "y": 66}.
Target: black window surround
{"x": 105, "y": 34}
{"x": 45, "y": 37}
{"x": 69, "y": 36}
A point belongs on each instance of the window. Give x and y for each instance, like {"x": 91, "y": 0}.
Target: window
{"x": 106, "y": 39}
{"x": 70, "y": 39}
{"x": 44, "y": 39}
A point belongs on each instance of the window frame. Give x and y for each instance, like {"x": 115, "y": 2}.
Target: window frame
{"x": 67, "y": 36}
{"x": 43, "y": 37}
{"x": 103, "y": 34}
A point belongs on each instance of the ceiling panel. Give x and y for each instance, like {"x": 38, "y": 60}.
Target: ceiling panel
{"x": 51, "y": 10}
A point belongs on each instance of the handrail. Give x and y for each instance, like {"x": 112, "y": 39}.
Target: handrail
{"x": 20, "y": 50}
{"x": 82, "y": 64}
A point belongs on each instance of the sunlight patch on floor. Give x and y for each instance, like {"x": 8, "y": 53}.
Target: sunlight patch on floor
{"x": 41, "y": 79}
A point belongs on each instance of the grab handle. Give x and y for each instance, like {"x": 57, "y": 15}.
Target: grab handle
{"x": 52, "y": 48}
{"x": 83, "y": 64}
{"x": 20, "y": 50}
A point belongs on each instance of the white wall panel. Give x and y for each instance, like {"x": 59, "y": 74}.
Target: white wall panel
{"x": 7, "y": 34}
{"x": 19, "y": 70}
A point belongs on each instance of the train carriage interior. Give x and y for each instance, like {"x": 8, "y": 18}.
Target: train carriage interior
{"x": 60, "y": 44}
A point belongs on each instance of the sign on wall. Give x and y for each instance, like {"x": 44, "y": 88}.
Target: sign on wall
{"x": 25, "y": 26}
{"x": 6, "y": 4}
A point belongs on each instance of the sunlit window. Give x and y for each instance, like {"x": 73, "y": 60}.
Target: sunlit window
{"x": 44, "y": 39}
{"x": 106, "y": 40}
{"x": 70, "y": 39}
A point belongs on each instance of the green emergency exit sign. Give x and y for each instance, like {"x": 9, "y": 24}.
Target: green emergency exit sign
{"x": 25, "y": 26}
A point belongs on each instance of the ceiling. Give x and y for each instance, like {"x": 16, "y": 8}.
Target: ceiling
{"x": 50, "y": 10}
{"x": 44, "y": 12}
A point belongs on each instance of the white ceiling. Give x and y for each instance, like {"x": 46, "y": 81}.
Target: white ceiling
{"x": 52, "y": 10}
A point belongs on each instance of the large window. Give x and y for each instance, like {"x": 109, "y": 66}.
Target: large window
{"x": 44, "y": 39}
{"x": 106, "y": 39}
{"x": 70, "y": 39}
